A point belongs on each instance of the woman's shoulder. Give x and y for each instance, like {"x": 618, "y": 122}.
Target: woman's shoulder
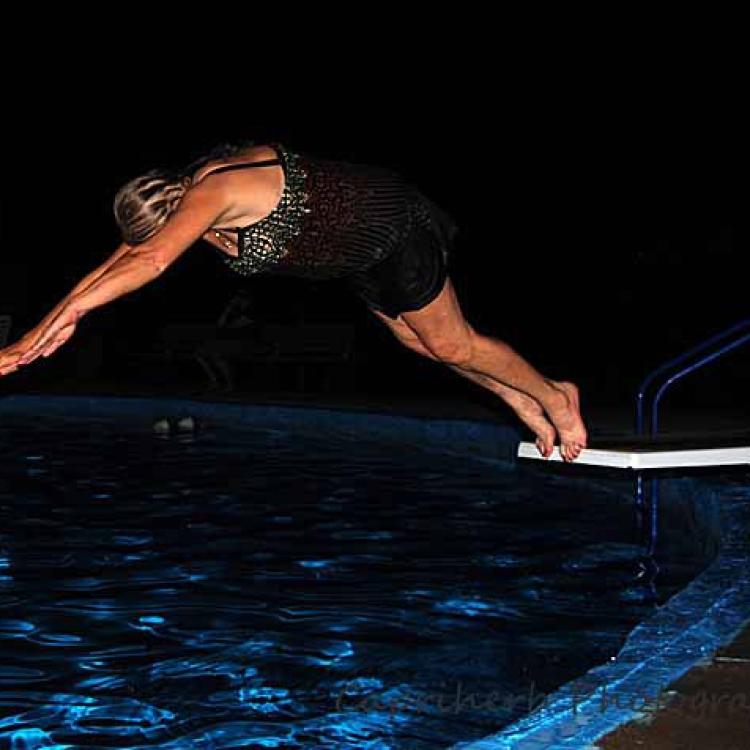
{"x": 249, "y": 194}
{"x": 245, "y": 155}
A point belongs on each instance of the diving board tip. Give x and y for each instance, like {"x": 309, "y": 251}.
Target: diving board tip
{"x": 641, "y": 458}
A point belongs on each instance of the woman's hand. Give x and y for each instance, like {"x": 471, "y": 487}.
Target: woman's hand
{"x": 41, "y": 341}
{"x": 53, "y": 335}
{"x": 10, "y": 355}
{"x": 8, "y": 359}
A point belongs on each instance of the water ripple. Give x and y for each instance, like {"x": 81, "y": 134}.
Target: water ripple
{"x": 251, "y": 587}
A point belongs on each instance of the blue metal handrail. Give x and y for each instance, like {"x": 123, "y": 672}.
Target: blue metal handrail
{"x": 741, "y": 333}
{"x": 734, "y": 344}
{"x": 681, "y": 359}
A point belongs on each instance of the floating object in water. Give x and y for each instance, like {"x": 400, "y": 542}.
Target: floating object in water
{"x": 186, "y": 423}
{"x": 161, "y": 426}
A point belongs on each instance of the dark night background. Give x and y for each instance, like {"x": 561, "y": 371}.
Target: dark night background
{"x": 603, "y": 210}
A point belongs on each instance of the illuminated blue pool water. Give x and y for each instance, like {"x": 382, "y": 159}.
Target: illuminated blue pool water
{"x": 255, "y": 585}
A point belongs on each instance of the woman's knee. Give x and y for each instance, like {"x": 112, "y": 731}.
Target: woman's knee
{"x": 410, "y": 341}
{"x": 456, "y": 349}
{"x": 406, "y": 336}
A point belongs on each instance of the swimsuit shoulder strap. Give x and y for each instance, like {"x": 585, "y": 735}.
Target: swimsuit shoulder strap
{"x": 242, "y": 165}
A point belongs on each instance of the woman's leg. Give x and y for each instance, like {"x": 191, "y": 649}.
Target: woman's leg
{"x": 443, "y": 330}
{"x": 528, "y": 410}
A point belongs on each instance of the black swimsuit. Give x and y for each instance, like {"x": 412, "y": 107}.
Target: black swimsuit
{"x": 361, "y": 223}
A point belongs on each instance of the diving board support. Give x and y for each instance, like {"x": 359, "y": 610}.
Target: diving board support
{"x": 641, "y": 459}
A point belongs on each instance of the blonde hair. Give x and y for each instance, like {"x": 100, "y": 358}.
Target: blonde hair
{"x": 144, "y": 204}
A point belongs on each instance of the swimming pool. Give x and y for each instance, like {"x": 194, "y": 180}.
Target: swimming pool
{"x": 302, "y": 578}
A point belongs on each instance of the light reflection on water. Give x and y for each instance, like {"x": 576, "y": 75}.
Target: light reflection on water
{"x": 257, "y": 588}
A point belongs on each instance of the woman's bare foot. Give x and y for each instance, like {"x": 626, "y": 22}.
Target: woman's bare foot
{"x": 544, "y": 431}
{"x": 531, "y": 413}
{"x": 566, "y": 417}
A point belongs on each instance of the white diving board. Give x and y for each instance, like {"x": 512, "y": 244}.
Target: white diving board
{"x": 644, "y": 457}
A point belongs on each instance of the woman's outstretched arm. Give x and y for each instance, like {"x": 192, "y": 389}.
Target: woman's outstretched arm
{"x": 10, "y": 356}
{"x": 127, "y": 270}
{"x": 199, "y": 209}
{"x": 81, "y": 286}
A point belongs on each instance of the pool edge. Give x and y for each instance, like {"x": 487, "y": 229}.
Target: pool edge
{"x": 676, "y": 643}
{"x": 490, "y": 440}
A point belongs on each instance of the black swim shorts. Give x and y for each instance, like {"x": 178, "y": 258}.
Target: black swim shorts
{"x": 414, "y": 274}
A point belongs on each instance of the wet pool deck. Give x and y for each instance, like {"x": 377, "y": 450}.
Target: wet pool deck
{"x": 709, "y": 706}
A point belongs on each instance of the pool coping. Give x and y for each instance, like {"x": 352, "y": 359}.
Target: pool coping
{"x": 701, "y": 618}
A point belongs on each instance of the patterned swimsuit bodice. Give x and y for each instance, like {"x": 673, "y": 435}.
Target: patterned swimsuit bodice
{"x": 333, "y": 219}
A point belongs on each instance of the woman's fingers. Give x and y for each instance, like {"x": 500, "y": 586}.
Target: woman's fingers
{"x": 13, "y": 357}
{"x": 8, "y": 359}
{"x": 35, "y": 350}
{"x": 8, "y": 365}
{"x": 30, "y": 356}
{"x": 50, "y": 341}
{"x": 54, "y": 346}
{"x": 61, "y": 327}
{"x": 32, "y": 352}
{"x": 42, "y": 338}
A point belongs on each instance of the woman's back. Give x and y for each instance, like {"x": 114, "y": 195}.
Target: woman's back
{"x": 331, "y": 219}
